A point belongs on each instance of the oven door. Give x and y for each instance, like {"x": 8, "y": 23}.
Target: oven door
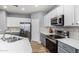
{"x": 51, "y": 45}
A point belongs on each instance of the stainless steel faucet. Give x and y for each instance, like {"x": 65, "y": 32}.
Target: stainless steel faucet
{"x": 66, "y": 33}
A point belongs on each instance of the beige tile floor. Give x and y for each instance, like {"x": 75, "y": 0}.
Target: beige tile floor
{"x": 38, "y": 48}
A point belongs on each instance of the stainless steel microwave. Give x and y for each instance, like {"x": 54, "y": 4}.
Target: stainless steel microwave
{"x": 58, "y": 21}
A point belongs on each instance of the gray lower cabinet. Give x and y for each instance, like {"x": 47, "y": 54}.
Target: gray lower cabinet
{"x": 61, "y": 50}
{"x": 64, "y": 48}
{"x": 43, "y": 39}
{"x": 77, "y": 51}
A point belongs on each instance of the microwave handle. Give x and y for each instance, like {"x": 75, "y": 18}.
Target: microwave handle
{"x": 57, "y": 21}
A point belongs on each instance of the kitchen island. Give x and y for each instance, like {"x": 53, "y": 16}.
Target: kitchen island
{"x": 19, "y": 46}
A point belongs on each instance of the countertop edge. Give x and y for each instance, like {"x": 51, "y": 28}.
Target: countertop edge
{"x": 74, "y": 45}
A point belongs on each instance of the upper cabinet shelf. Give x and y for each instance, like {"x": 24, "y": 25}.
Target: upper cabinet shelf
{"x": 71, "y": 15}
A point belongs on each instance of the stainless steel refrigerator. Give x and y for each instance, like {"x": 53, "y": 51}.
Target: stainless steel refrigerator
{"x": 25, "y": 30}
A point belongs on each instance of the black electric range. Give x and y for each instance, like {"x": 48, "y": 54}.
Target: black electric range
{"x": 52, "y": 43}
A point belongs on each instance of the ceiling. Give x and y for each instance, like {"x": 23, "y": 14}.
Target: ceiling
{"x": 28, "y": 9}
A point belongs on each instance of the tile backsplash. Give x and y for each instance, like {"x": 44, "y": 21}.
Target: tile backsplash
{"x": 74, "y": 31}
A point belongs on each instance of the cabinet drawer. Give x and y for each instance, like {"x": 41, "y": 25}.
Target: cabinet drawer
{"x": 61, "y": 50}
{"x": 66, "y": 47}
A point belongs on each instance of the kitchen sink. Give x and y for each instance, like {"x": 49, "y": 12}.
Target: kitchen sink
{"x": 13, "y": 39}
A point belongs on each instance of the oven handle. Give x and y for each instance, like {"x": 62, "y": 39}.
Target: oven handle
{"x": 52, "y": 40}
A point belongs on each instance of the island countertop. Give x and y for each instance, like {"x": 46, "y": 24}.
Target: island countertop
{"x": 20, "y": 46}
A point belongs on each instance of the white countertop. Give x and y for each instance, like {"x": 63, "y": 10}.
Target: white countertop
{"x": 72, "y": 42}
{"x": 45, "y": 31}
{"x": 20, "y": 46}
{"x": 12, "y": 31}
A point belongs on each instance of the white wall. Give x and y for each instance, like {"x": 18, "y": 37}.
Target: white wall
{"x": 3, "y": 23}
{"x": 40, "y": 16}
{"x": 37, "y": 22}
{"x": 35, "y": 30}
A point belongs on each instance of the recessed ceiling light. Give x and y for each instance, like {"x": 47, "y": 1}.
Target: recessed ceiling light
{"x": 36, "y": 5}
{"x": 23, "y": 9}
{"x": 4, "y": 7}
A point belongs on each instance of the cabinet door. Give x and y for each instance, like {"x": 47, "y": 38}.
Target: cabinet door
{"x": 77, "y": 15}
{"x": 60, "y": 10}
{"x": 54, "y": 13}
{"x": 66, "y": 47}
{"x": 51, "y": 46}
{"x": 13, "y": 22}
{"x": 43, "y": 40}
{"x": 68, "y": 15}
{"x": 46, "y": 20}
{"x": 25, "y": 20}
{"x": 77, "y": 50}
